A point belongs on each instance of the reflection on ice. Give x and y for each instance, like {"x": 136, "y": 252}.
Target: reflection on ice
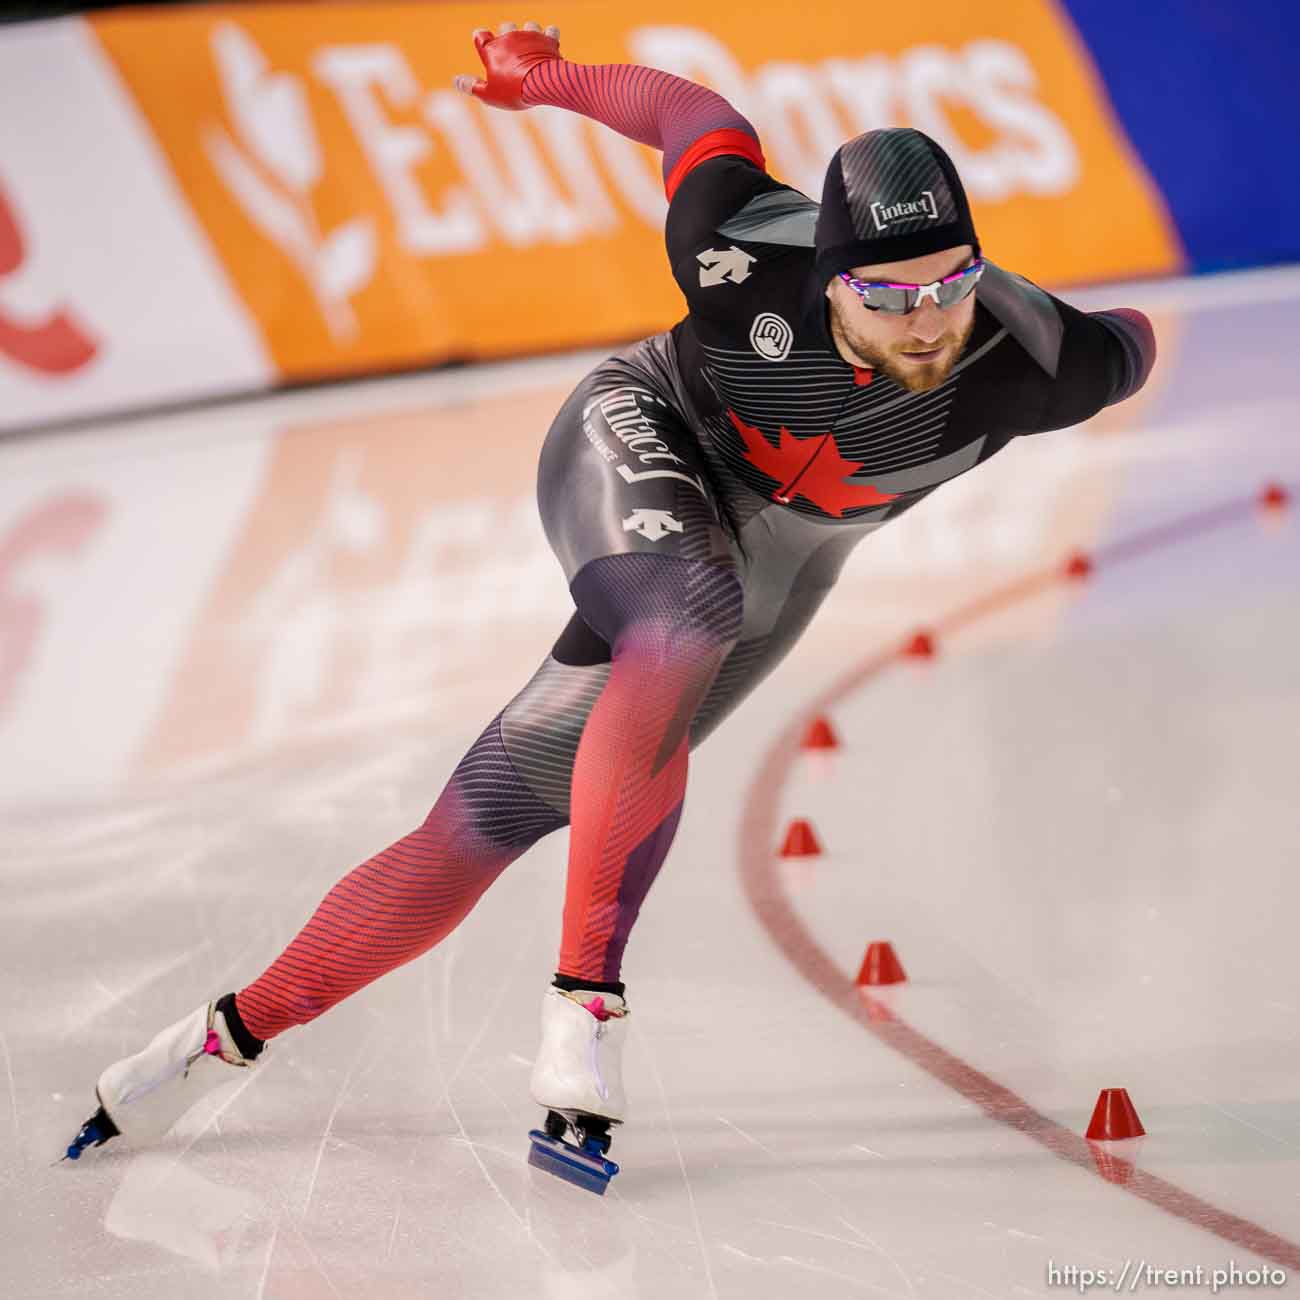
{"x": 164, "y": 1201}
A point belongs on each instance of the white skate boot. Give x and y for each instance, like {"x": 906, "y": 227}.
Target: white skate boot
{"x": 142, "y": 1096}
{"x": 578, "y": 1077}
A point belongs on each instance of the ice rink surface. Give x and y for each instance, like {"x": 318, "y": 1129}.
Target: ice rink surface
{"x": 244, "y": 647}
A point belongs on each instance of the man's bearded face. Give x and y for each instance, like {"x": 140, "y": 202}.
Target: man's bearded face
{"x": 916, "y": 351}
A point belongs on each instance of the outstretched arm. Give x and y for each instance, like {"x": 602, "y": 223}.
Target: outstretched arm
{"x": 1106, "y": 357}
{"x": 689, "y": 122}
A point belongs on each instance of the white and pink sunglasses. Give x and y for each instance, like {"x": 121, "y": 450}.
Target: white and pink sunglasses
{"x": 899, "y": 299}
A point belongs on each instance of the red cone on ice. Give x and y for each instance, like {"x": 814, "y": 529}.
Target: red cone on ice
{"x": 820, "y": 735}
{"x": 1079, "y": 565}
{"x": 881, "y": 965}
{"x": 800, "y": 841}
{"x": 1113, "y": 1118}
{"x": 1274, "y": 497}
{"x": 921, "y": 646}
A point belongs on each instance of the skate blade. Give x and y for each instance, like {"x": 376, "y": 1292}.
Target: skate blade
{"x": 585, "y": 1169}
{"x": 94, "y": 1132}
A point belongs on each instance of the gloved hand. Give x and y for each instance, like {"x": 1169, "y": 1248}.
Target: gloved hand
{"x": 508, "y": 58}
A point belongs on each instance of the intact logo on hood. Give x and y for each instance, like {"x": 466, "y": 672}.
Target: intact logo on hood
{"x": 883, "y": 213}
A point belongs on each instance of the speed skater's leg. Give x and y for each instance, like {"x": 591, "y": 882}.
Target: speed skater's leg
{"x": 631, "y": 514}
{"x": 385, "y": 912}
{"x": 404, "y": 900}
{"x": 669, "y": 623}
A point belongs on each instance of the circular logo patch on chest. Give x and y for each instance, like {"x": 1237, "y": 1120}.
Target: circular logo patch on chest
{"x": 771, "y": 336}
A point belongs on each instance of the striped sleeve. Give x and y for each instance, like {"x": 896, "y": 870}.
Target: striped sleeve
{"x": 690, "y": 123}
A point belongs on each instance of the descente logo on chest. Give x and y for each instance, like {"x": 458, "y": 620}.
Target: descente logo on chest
{"x": 771, "y": 336}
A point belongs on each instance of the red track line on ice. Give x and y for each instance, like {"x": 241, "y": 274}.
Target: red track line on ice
{"x": 766, "y": 896}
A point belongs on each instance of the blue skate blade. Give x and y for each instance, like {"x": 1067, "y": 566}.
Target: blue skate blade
{"x": 94, "y": 1132}
{"x": 588, "y": 1171}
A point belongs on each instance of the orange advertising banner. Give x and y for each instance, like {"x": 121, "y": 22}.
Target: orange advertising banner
{"x": 371, "y": 217}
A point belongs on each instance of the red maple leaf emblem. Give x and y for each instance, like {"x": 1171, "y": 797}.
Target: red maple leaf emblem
{"x": 811, "y": 468}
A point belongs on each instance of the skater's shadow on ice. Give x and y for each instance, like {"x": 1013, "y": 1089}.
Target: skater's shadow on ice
{"x": 164, "y": 1202}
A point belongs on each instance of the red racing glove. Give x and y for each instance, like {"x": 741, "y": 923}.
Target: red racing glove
{"x": 508, "y": 59}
